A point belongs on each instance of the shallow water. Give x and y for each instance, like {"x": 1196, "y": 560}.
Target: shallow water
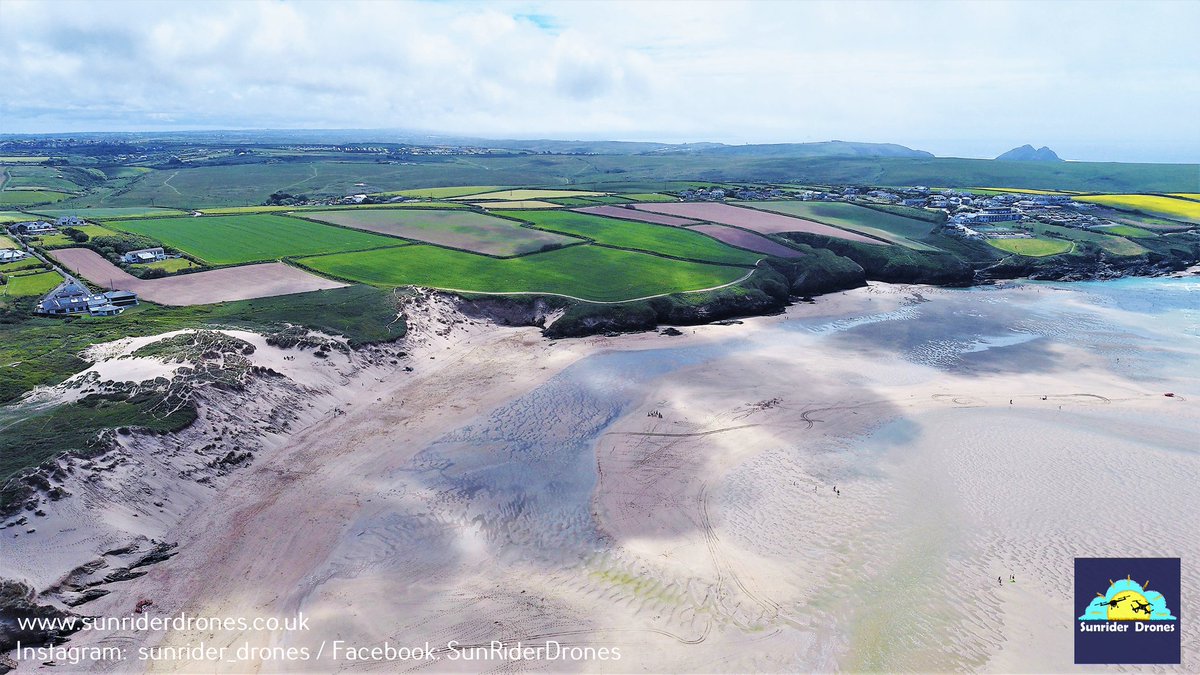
{"x": 525, "y": 471}
{"x": 515, "y": 486}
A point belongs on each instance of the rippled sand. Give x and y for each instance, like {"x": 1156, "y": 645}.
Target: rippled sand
{"x": 675, "y": 497}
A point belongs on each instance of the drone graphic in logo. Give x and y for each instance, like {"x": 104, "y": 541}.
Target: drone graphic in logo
{"x": 1127, "y": 600}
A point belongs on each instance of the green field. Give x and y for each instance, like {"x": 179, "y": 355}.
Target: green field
{"x": 224, "y": 240}
{"x": 1035, "y": 248}
{"x": 588, "y": 272}
{"x": 59, "y": 179}
{"x": 58, "y": 240}
{"x": 30, "y": 197}
{"x": 28, "y": 263}
{"x": 96, "y": 231}
{"x": 170, "y": 264}
{"x": 527, "y": 204}
{"x": 15, "y": 217}
{"x": 32, "y": 284}
{"x": 253, "y": 183}
{"x": 1126, "y": 231}
{"x": 608, "y": 199}
{"x": 671, "y": 241}
{"x": 1154, "y": 205}
{"x": 1018, "y": 191}
{"x": 573, "y": 201}
{"x": 887, "y": 226}
{"x": 529, "y": 194}
{"x": 648, "y": 197}
{"x": 1108, "y": 242}
{"x": 233, "y": 210}
{"x": 465, "y": 230}
{"x": 101, "y": 212}
{"x": 444, "y": 192}
{"x": 6, "y": 242}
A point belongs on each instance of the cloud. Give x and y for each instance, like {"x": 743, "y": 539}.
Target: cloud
{"x": 971, "y": 78}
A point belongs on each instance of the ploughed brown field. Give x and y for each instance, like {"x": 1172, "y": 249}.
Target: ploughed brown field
{"x": 751, "y": 219}
{"x": 201, "y": 288}
{"x": 634, "y": 214}
{"x": 747, "y": 240}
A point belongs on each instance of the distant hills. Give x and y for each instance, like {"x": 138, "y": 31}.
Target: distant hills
{"x": 1026, "y": 153}
{"x": 824, "y": 149}
{"x": 789, "y": 150}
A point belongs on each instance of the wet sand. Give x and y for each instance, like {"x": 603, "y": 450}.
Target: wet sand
{"x": 674, "y": 497}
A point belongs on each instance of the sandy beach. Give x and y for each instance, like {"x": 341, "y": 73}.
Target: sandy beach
{"x": 835, "y": 488}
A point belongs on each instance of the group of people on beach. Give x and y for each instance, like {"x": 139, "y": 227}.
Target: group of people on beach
{"x": 1012, "y": 579}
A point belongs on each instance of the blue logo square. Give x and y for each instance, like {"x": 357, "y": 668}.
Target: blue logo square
{"x": 1127, "y": 611}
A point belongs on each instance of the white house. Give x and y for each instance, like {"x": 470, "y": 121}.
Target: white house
{"x": 8, "y": 255}
{"x": 145, "y": 255}
{"x": 68, "y": 221}
{"x": 31, "y": 227}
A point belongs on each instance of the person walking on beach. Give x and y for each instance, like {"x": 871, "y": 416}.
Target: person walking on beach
{"x": 1000, "y": 581}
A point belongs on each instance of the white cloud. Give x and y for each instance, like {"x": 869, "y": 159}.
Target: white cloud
{"x": 964, "y": 78}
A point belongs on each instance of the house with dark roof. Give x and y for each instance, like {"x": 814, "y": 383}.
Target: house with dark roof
{"x": 30, "y": 227}
{"x": 72, "y": 298}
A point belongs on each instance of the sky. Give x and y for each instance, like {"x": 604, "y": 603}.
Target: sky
{"x": 1100, "y": 81}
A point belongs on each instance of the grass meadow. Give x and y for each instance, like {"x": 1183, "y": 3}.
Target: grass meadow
{"x": 1111, "y": 243}
{"x": 588, "y": 272}
{"x": 891, "y": 227}
{"x": 466, "y": 230}
{"x": 170, "y": 265}
{"x": 38, "y": 283}
{"x": 101, "y": 212}
{"x": 1038, "y": 247}
{"x": 225, "y": 240}
{"x": 31, "y": 197}
{"x": 1127, "y": 231}
{"x": 662, "y": 239}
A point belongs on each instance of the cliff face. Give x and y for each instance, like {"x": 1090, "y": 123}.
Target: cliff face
{"x": 1026, "y": 153}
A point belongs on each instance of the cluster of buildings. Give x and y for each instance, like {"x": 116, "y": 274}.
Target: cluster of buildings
{"x": 33, "y": 228}
{"x": 73, "y": 298}
{"x": 757, "y": 194}
{"x": 704, "y": 195}
{"x": 975, "y": 215}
